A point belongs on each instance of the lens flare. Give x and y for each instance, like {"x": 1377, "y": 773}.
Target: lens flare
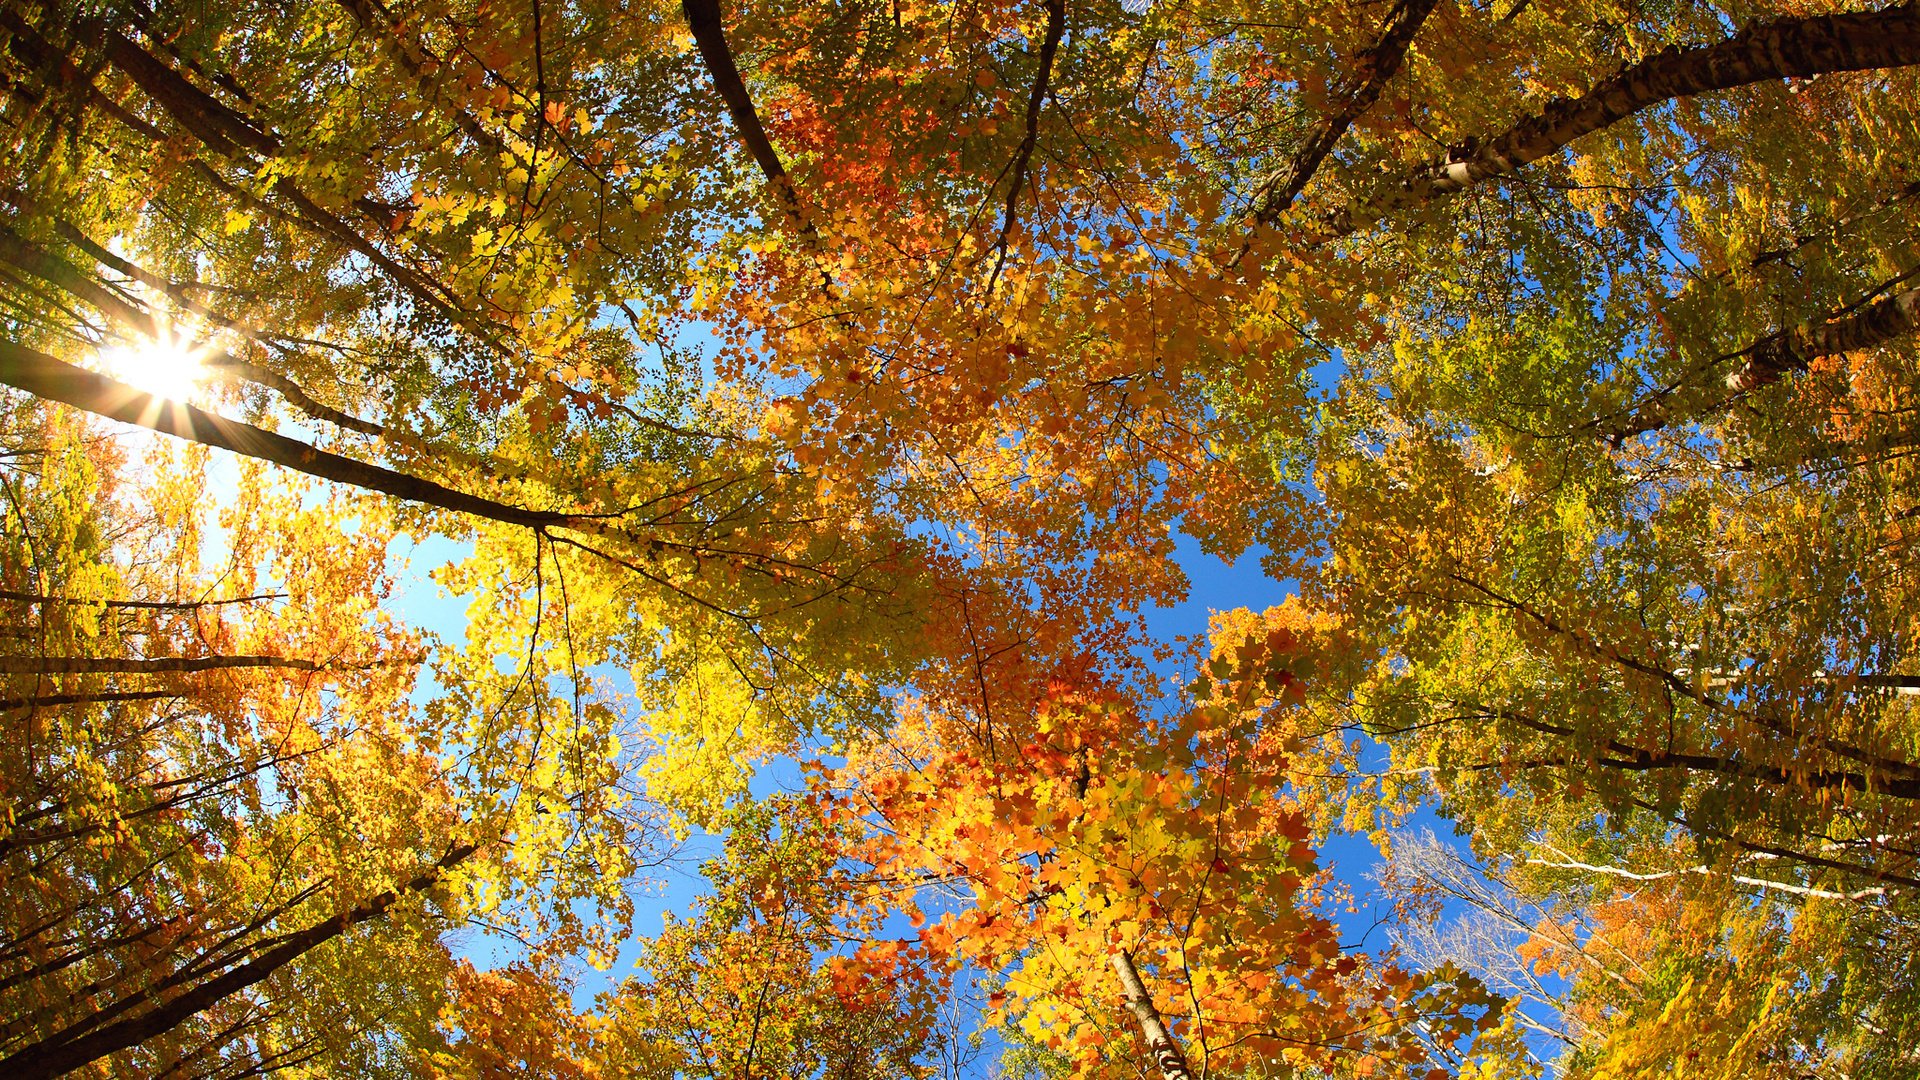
{"x": 167, "y": 366}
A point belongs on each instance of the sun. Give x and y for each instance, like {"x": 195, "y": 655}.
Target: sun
{"x": 167, "y": 366}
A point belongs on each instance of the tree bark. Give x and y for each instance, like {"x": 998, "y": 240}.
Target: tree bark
{"x": 222, "y": 130}
{"x": 1771, "y": 358}
{"x": 1887, "y": 319}
{"x": 230, "y": 135}
{"x": 1762, "y": 51}
{"x": 40, "y": 263}
{"x": 54, "y": 1056}
{"x": 1167, "y": 1056}
{"x": 710, "y": 35}
{"x": 293, "y": 394}
{"x": 1891, "y": 779}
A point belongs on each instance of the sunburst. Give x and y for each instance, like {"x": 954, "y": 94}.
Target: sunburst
{"x": 167, "y": 366}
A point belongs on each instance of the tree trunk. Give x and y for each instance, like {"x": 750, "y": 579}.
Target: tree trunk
{"x": 30, "y": 259}
{"x": 1167, "y": 1057}
{"x": 1762, "y": 51}
{"x": 143, "y": 605}
{"x": 222, "y": 130}
{"x": 56, "y": 380}
{"x": 231, "y": 135}
{"x": 710, "y": 35}
{"x": 1885, "y": 320}
{"x": 54, "y": 1056}
{"x": 48, "y": 701}
{"x": 159, "y": 665}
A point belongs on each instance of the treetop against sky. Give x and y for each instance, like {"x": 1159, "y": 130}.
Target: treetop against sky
{"x": 836, "y": 392}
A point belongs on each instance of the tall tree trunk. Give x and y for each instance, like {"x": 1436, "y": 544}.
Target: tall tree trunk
{"x": 30, "y": 259}
{"x": 1885, "y": 320}
{"x": 135, "y": 317}
{"x": 710, "y": 35}
{"x": 54, "y": 1055}
{"x": 56, "y": 380}
{"x": 48, "y": 701}
{"x": 143, "y": 605}
{"x": 1762, "y": 51}
{"x": 158, "y": 665}
{"x": 1167, "y": 1056}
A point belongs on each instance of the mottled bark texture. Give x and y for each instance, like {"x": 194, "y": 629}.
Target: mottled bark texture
{"x": 1168, "y": 1060}
{"x": 1884, "y": 320}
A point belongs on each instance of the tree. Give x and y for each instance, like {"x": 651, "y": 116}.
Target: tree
{"x": 781, "y": 971}
{"x": 1141, "y": 883}
{"x": 192, "y": 756}
{"x": 1612, "y": 555}
{"x": 332, "y": 260}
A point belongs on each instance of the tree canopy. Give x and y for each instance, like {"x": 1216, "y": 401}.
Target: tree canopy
{"x": 803, "y": 400}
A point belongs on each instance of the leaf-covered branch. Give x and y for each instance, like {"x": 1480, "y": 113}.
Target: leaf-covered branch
{"x": 1023, "y": 157}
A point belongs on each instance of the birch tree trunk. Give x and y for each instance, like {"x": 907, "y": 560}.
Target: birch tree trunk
{"x": 1167, "y": 1056}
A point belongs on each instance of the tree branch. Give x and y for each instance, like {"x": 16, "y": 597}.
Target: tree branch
{"x": 1056, "y": 29}
{"x": 1759, "y": 883}
{"x": 1879, "y": 781}
{"x": 44, "y": 701}
{"x": 148, "y": 605}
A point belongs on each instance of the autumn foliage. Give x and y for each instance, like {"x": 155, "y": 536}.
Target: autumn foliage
{"x": 465, "y": 466}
